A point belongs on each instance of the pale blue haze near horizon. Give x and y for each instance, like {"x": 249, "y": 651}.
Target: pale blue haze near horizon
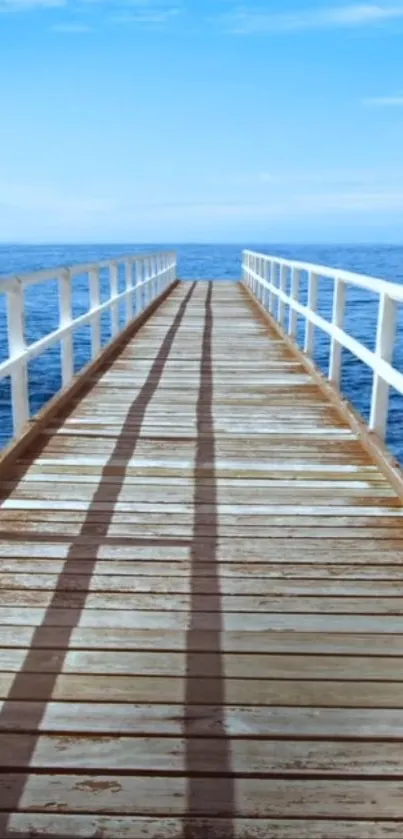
{"x": 177, "y": 120}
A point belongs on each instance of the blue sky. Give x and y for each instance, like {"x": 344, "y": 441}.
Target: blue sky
{"x": 192, "y": 120}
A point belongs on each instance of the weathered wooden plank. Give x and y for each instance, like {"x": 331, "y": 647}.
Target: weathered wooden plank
{"x": 279, "y": 469}
{"x": 127, "y": 638}
{"x": 181, "y": 583}
{"x": 372, "y": 483}
{"x": 122, "y": 601}
{"x": 172, "y": 690}
{"x": 152, "y": 445}
{"x": 228, "y": 496}
{"x": 357, "y": 552}
{"x": 206, "y": 665}
{"x": 156, "y": 720}
{"x": 204, "y": 621}
{"x": 160, "y": 795}
{"x": 152, "y": 572}
{"x": 280, "y": 436}
{"x": 168, "y": 755}
{"x": 305, "y": 438}
{"x": 70, "y": 529}
{"x": 132, "y": 827}
{"x": 389, "y": 515}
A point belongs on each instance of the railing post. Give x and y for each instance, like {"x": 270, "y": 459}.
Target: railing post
{"x": 139, "y": 275}
{"x": 252, "y": 268}
{"x": 167, "y": 271}
{"x": 266, "y": 279}
{"x": 94, "y": 304}
{"x": 160, "y": 274}
{"x": 294, "y": 294}
{"x": 261, "y": 275}
{"x": 113, "y": 277}
{"x": 151, "y": 262}
{"x": 146, "y": 278}
{"x": 66, "y": 319}
{"x": 16, "y": 346}
{"x": 272, "y": 280}
{"x": 151, "y": 274}
{"x": 276, "y": 283}
{"x": 173, "y": 269}
{"x": 129, "y": 286}
{"x": 257, "y": 287}
{"x": 156, "y": 269}
{"x": 166, "y": 262}
{"x": 146, "y": 274}
{"x": 385, "y": 340}
{"x": 246, "y": 269}
{"x": 257, "y": 284}
{"x": 312, "y": 300}
{"x": 154, "y": 274}
{"x": 283, "y": 288}
{"x": 339, "y": 298}
{"x": 159, "y": 268}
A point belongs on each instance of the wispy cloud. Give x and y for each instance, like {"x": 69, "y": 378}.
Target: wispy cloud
{"x": 384, "y": 102}
{"x": 243, "y": 21}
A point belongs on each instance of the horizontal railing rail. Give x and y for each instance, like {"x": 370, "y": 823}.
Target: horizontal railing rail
{"x": 268, "y": 277}
{"x": 145, "y": 277}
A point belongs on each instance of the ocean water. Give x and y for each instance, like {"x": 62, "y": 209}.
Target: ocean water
{"x": 202, "y": 262}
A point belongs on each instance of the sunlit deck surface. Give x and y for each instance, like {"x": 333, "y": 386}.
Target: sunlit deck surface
{"x": 201, "y": 608}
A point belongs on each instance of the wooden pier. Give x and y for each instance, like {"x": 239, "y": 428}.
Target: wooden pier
{"x": 201, "y": 595}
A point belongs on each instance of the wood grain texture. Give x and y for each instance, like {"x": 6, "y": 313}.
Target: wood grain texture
{"x": 52, "y": 825}
{"x": 162, "y": 795}
{"x": 201, "y": 599}
{"x": 167, "y": 755}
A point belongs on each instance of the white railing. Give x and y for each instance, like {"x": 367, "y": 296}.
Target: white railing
{"x": 145, "y": 278}
{"x": 269, "y": 277}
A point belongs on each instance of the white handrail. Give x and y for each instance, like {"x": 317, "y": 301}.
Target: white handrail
{"x": 394, "y": 290}
{"x": 257, "y": 268}
{"x": 146, "y": 276}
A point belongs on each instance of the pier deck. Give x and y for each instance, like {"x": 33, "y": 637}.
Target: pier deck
{"x": 201, "y": 599}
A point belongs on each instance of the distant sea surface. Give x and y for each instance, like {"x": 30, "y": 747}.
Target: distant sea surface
{"x": 201, "y": 262}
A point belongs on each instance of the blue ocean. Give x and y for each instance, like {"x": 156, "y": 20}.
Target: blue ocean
{"x": 201, "y": 262}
